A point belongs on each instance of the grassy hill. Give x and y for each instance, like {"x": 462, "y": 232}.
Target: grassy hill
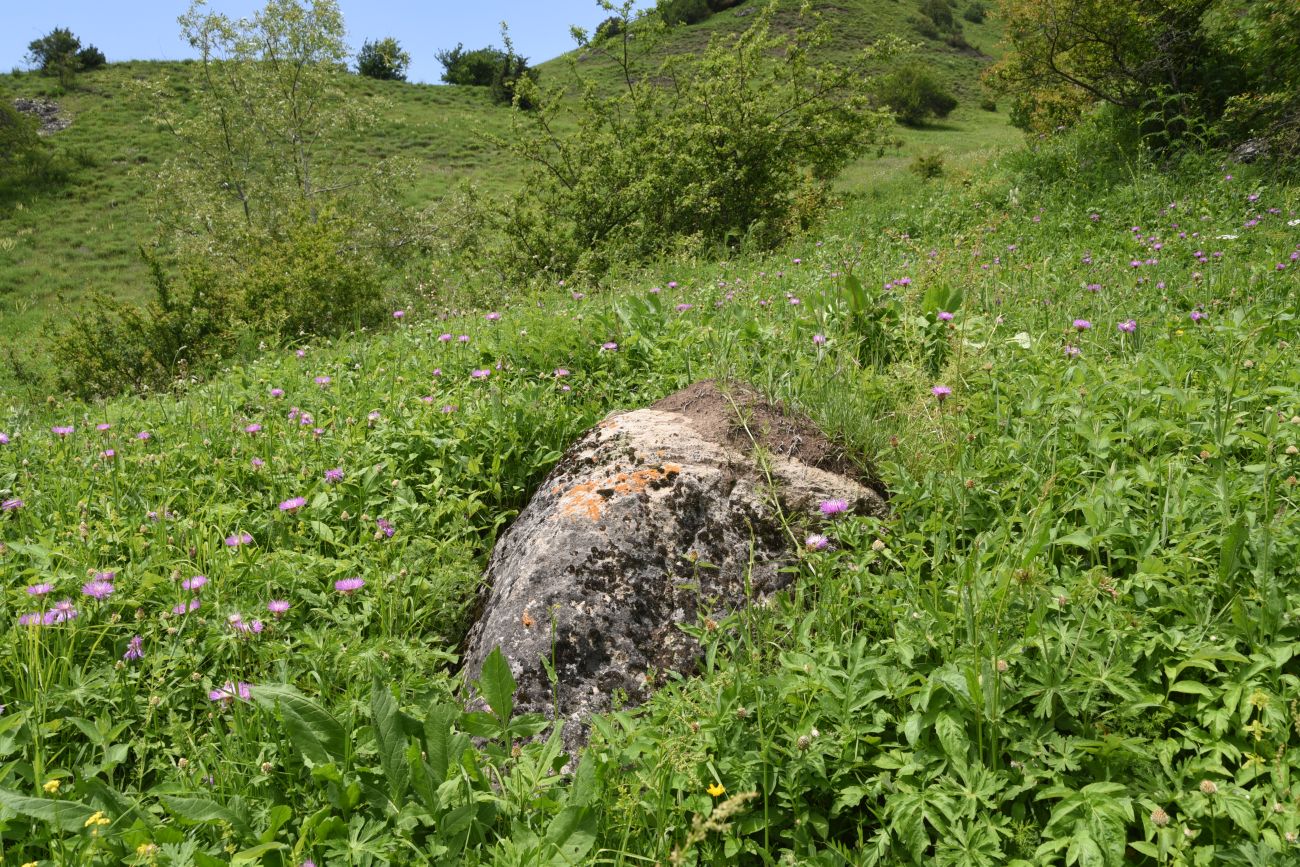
{"x": 61, "y": 245}
{"x": 1076, "y": 625}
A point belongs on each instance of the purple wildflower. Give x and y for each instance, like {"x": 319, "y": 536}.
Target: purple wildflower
{"x": 4, "y": 438}
{"x": 493, "y": 316}
{"x": 398, "y": 314}
{"x": 945, "y": 316}
{"x": 229, "y": 691}
{"x": 35, "y": 618}
{"x": 611, "y": 346}
{"x": 1197, "y": 315}
{"x": 322, "y": 380}
{"x": 817, "y": 542}
{"x": 444, "y": 338}
{"x": 561, "y": 372}
{"x": 40, "y": 589}
{"x": 194, "y": 584}
{"x": 102, "y": 426}
{"x": 278, "y": 606}
{"x": 334, "y": 475}
{"x": 682, "y": 308}
{"x": 833, "y": 507}
{"x": 253, "y": 428}
{"x": 62, "y": 611}
{"x": 257, "y": 463}
{"x": 1072, "y": 351}
{"x": 108, "y": 454}
{"x": 348, "y": 586}
{"x": 97, "y": 589}
{"x": 942, "y": 392}
{"x": 134, "y": 649}
{"x": 1082, "y": 325}
{"x": 819, "y": 339}
{"x": 238, "y": 539}
{"x": 293, "y": 504}
{"x": 478, "y": 373}
{"x": 185, "y": 608}
{"x": 464, "y": 338}
{"x": 277, "y": 392}
{"x": 11, "y": 505}
{"x": 1128, "y": 326}
{"x": 144, "y": 435}
{"x": 384, "y": 527}
{"x": 62, "y": 430}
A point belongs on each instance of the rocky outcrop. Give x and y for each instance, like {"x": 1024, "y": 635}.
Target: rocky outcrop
{"x": 651, "y": 519}
{"x": 46, "y": 112}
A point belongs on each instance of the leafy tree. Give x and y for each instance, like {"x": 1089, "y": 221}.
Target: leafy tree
{"x": 21, "y": 147}
{"x": 914, "y": 95}
{"x": 476, "y": 68}
{"x": 726, "y": 146}
{"x": 383, "y": 59}
{"x": 60, "y": 53}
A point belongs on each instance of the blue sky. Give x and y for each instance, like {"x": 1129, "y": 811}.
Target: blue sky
{"x": 147, "y": 29}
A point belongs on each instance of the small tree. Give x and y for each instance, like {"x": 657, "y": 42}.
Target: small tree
{"x": 383, "y": 59}
{"x": 60, "y": 53}
{"x": 476, "y": 68}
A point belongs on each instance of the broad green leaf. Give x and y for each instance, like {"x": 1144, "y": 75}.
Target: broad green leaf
{"x": 390, "y": 738}
{"x": 498, "y": 685}
{"x": 953, "y": 738}
{"x": 67, "y": 815}
{"x": 1230, "y": 552}
{"x": 437, "y": 739}
{"x": 254, "y": 854}
{"x": 201, "y": 810}
{"x": 572, "y": 833}
{"x": 313, "y": 731}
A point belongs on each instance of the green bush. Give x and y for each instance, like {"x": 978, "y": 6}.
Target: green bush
{"x": 684, "y": 11}
{"x": 975, "y": 13}
{"x": 927, "y": 166}
{"x": 490, "y": 67}
{"x": 311, "y": 280}
{"x": 915, "y": 95}
{"x": 91, "y": 57}
{"x": 722, "y": 148}
{"x": 60, "y": 53}
{"x": 383, "y": 59}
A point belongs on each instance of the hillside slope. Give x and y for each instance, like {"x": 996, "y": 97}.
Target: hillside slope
{"x": 61, "y": 245}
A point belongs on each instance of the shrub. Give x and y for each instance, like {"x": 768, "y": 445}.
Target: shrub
{"x": 975, "y": 13}
{"x": 705, "y": 150}
{"x": 608, "y": 29}
{"x": 927, "y": 166}
{"x": 384, "y": 60}
{"x": 489, "y": 67}
{"x": 90, "y": 58}
{"x": 940, "y": 13}
{"x": 914, "y": 95}
{"x": 988, "y": 103}
{"x": 684, "y": 11}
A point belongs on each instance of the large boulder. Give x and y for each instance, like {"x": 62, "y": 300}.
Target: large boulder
{"x": 652, "y": 519}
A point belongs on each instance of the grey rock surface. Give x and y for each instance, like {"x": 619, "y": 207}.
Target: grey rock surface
{"x": 653, "y": 518}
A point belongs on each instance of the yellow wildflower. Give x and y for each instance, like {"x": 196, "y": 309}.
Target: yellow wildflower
{"x": 97, "y": 818}
{"x": 716, "y": 789}
{"x": 51, "y": 787}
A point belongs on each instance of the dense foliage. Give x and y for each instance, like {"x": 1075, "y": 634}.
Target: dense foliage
{"x": 1218, "y": 70}
{"x": 1072, "y": 642}
{"x": 383, "y": 59}
{"x": 914, "y": 94}
{"x": 729, "y": 147}
{"x": 491, "y": 67}
{"x": 691, "y": 11}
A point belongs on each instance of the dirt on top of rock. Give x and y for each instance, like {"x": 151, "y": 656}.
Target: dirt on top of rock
{"x": 717, "y": 414}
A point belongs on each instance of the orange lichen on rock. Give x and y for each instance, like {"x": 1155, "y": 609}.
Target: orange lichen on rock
{"x": 587, "y": 499}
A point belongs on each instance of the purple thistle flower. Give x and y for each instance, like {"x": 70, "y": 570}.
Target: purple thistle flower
{"x": 942, "y": 392}
{"x": 108, "y": 454}
{"x": 682, "y": 308}
{"x": 817, "y": 542}
{"x": 478, "y": 373}
{"x": 398, "y": 314}
{"x": 945, "y": 316}
{"x": 185, "y": 608}
{"x": 277, "y": 392}
{"x": 444, "y": 338}
{"x": 1197, "y": 315}
{"x": 102, "y": 426}
{"x": 62, "y": 611}
{"x": 97, "y": 589}
{"x": 35, "y": 618}
{"x": 493, "y": 316}
{"x": 348, "y": 586}
{"x": 322, "y": 380}
{"x": 62, "y": 430}
{"x": 1082, "y": 325}
{"x": 819, "y": 339}
{"x": 238, "y": 539}
{"x": 611, "y": 346}
{"x": 334, "y": 475}
{"x": 4, "y": 438}
{"x": 40, "y": 589}
{"x": 833, "y": 507}
{"x": 144, "y": 435}
{"x": 278, "y": 607}
{"x": 451, "y": 407}
{"x": 257, "y": 463}
{"x": 194, "y": 584}
{"x": 560, "y": 372}
{"x": 672, "y": 284}
{"x": 464, "y": 338}
{"x": 293, "y": 504}
{"x": 11, "y": 505}
{"x": 134, "y": 649}
{"x": 1094, "y": 287}
{"x": 1128, "y": 326}
{"x": 1072, "y": 351}
{"x": 229, "y": 691}
{"x": 253, "y": 428}
{"x": 300, "y": 353}
{"x": 384, "y": 527}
